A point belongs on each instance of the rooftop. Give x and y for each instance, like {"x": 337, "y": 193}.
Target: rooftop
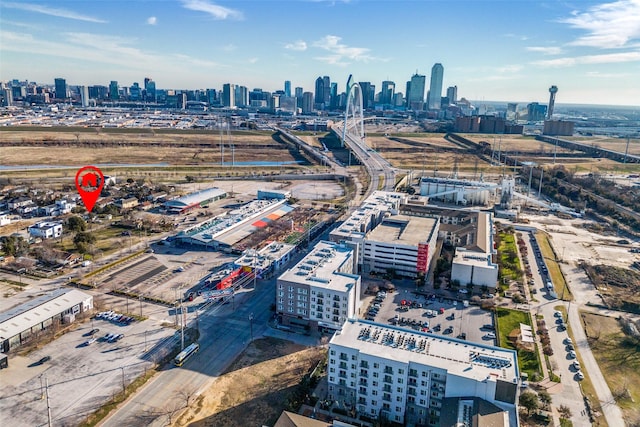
{"x": 324, "y": 267}
{"x": 39, "y": 309}
{"x": 458, "y": 357}
{"x": 403, "y": 229}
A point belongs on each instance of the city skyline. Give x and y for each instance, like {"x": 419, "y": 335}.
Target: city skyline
{"x": 590, "y": 52}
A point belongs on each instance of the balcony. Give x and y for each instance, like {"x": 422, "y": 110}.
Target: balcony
{"x": 388, "y": 379}
{"x": 336, "y": 305}
{"x": 387, "y": 388}
{"x": 363, "y": 382}
{"x": 343, "y": 365}
{"x": 336, "y": 312}
{"x": 336, "y": 298}
{"x": 388, "y": 370}
{"x": 364, "y": 373}
{"x": 364, "y": 364}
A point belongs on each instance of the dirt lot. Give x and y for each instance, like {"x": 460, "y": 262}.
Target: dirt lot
{"x": 254, "y": 389}
{"x": 619, "y": 359}
{"x": 89, "y": 147}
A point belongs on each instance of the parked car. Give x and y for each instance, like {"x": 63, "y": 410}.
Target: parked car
{"x": 572, "y": 354}
{"x": 557, "y": 313}
{"x": 579, "y": 375}
{"x": 576, "y": 365}
{"x": 490, "y": 335}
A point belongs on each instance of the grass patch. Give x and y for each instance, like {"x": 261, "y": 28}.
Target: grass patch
{"x": 551, "y": 260}
{"x": 507, "y": 321}
{"x": 618, "y": 356}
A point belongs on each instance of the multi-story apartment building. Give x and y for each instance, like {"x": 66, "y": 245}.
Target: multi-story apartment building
{"x": 406, "y": 376}
{"x": 321, "y": 290}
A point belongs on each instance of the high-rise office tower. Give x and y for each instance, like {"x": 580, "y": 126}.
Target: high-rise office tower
{"x": 298, "y": 94}
{"x": 241, "y": 96}
{"x": 61, "y": 88}
{"x": 452, "y": 94}
{"x": 113, "y": 90}
{"x": 415, "y": 92}
{"x": 435, "y": 87}
{"x": 84, "y": 95}
{"x": 387, "y": 92}
{"x": 327, "y": 91}
{"x": 319, "y": 95}
{"x": 307, "y": 103}
{"x": 552, "y": 100}
{"x": 228, "y": 95}
{"x": 334, "y": 95}
{"x": 287, "y": 88}
{"x": 135, "y": 92}
{"x": 365, "y": 87}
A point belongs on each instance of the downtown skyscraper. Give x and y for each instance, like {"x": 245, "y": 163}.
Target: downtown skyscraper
{"x": 415, "y": 92}
{"x": 435, "y": 87}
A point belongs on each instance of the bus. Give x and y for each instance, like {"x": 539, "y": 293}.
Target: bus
{"x": 185, "y": 354}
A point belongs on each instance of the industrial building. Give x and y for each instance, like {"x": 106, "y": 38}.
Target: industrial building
{"x": 558, "y": 128}
{"x": 20, "y": 323}
{"x": 458, "y": 191}
{"x": 273, "y": 194}
{"x": 402, "y": 244}
{"x": 321, "y": 290}
{"x": 410, "y": 377}
{"x": 224, "y": 231}
{"x": 194, "y": 200}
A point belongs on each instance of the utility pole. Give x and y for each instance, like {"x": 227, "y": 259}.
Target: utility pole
{"x": 46, "y": 389}
{"x": 540, "y": 185}
{"x": 182, "y": 326}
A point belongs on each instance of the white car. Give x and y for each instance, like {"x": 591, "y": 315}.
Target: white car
{"x": 463, "y": 291}
{"x": 429, "y": 313}
{"x": 490, "y": 335}
{"x": 572, "y": 354}
{"x": 568, "y": 341}
{"x": 576, "y": 365}
{"x": 557, "y": 313}
{"x": 579, "y": 375}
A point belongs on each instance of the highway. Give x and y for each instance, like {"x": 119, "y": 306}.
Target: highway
{"x": 380, "y": 170}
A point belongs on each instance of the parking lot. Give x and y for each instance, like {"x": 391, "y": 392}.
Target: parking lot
{"x": 436, "y": 315}
{"x": 81, "y": 376}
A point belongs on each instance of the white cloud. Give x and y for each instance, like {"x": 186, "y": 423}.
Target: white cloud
{"x": 216, "y": 11}
{"x": 600, "y": 75}
{"x": 230, "y": 47}
{"x": 509, "y": 69}
{"x": 152, "y": 20}
{"x": 545, "y": 50}
{"x": 60, "y": 13}
{"x": 296, "y": 45}
{"x": 341, "y": 53}
{"x": 253, "y": 60}
{"x": 98, "y": 48}
{"x": 609, "y": 25}
{"x": 609, "y": 58}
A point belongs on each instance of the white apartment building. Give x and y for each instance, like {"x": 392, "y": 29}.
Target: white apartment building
{"x": 401, "y": 243}
{"x": 404, "y": 375}
{"x": 321, "y": 290}
{"x": 474, "y": 264}
{"x": 46, "y": 230}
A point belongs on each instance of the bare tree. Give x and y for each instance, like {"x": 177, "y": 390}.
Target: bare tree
{"x": 564, "y": 412}
{"x": 187, "y": 395}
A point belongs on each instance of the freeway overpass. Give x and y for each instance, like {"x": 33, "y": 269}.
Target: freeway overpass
{"x": 383, "y": 175}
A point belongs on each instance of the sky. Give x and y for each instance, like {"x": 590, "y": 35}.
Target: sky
{"x": 507, "y": 50}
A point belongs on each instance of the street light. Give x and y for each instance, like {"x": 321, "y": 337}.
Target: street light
{"x": 251, "y": 326}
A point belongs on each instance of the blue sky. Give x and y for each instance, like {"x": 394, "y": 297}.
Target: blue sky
{"x": 509, "y": 50}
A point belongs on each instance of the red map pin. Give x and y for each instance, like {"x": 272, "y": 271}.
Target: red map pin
{"x": 89, "y": 182}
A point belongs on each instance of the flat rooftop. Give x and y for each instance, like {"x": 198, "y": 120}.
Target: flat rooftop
{"x": 322, "y": 268}
{"x": 458, "y": 357}
{"x": 360, "y": 219}
{"x": 403, "y": 230}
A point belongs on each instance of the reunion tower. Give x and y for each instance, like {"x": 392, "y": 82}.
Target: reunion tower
{"x": 552, "y": 100}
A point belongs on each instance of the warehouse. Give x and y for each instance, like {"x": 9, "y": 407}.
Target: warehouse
{"x": 194, "y": 200}
{"x": 19, "y": 324}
